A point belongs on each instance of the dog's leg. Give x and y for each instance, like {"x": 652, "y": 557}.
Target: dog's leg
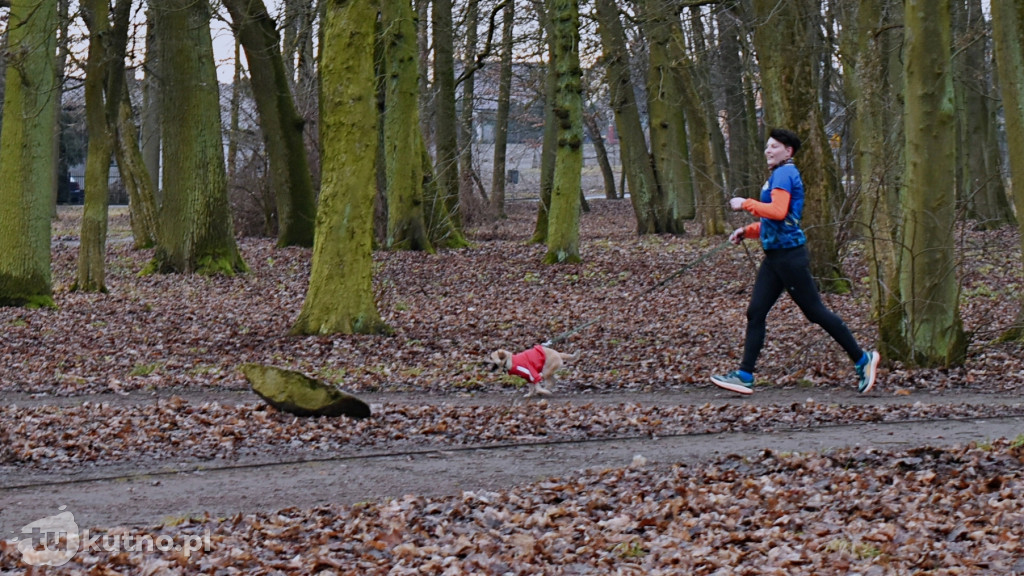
{"x": 531, "y": 389}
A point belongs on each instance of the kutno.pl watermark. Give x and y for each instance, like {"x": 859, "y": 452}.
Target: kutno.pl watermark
{"x": 54, "y": 541}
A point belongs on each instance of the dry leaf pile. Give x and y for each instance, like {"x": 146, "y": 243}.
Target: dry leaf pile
{"x": 53, "y": 437}
{"x": 955, "y": 511}
{"x": 450, "y": 309}
{"x": 946, "y": 511}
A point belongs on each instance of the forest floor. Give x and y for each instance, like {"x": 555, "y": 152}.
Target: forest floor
{"x": 128, "y": 409}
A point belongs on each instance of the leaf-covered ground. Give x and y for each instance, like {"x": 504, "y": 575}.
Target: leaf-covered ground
{"x": 146, "y": 362}
{"x": 449, "y": 310}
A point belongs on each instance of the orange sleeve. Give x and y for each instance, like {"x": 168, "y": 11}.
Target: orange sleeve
{"x": 776, "y": 210}
{"x": 752, "y": 231}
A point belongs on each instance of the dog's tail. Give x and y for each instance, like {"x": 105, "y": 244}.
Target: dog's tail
{"x": 566, "y": 356}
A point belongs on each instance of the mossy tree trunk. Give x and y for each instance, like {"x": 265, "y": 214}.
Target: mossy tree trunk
{"x": 637, "y": 165}
{"x": 104, "y": 85}
{"x": 665, "y": 100}
{"x": 281, "y": 124}
{"x": 928, "y": 279}
{"x": 564, "y": 225}
{"x": 710, "y": 203}
{"x": 875, "y": 76}
{"x": 340, "y": 296}
{"x": 137, "y": 179}
{"x": 406, "y": 226}
{"x": 92, "y": 249}
{"x": 549, "y": 140}
{"x": 196, "y": 232}
{"x": 1008, "y": 36}
{"x": 788, "y": 56}
{"x": 27, "y": 162}
{"x": 446, "y": 142}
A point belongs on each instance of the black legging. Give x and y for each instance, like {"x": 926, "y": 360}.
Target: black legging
{"x": 789, "y": 270}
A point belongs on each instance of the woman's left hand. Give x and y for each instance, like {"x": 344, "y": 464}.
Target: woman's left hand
{"x": 736, "y": 203}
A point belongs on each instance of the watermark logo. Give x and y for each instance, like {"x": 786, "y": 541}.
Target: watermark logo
{"x": 54, "y": 541}
{"x": 50, "y": 541}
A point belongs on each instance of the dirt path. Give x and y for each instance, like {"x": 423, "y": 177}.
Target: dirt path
{"x": 149, "y": 493}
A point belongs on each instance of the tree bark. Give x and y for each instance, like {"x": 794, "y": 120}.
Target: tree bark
{"x": 875, "y": 76}
{"x": 1007, "y": 34}
{"x": 564, "y": 224}
{"x": 787, "y": 57}
{"x": 27, "y": 162}
{"x": 982, "y": 182}
{"x": 746, "y": 165}
{"x": 195, "y": 220}
{"x": 601, "y": 151}
{"x": 502, "y": 113}
{"x": 280, "y": 122}
{"x": 137, "y": 180}
{"x": 928, "y": 281}
{"x": 467, "y": 199}
{"x": 665, "y": 97}
{"x": 149, "y": 126}
{"x": 637, "y": 166}
{"x": 406, "y": 226}
{"x": 446, "y": 144}
{"x": 340, "y": 297}
{"x": 549, "y": 143}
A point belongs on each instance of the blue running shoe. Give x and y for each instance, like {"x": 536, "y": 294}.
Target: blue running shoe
{"x": 734, "y": 382}
{"x": 867, "y": 372}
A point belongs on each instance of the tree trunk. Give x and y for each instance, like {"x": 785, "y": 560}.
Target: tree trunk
{"x": 746, "y": 165}
{"x": 502, "y": 113}
{"x": 701, "y": 80}
{"x": 710, "y": 201}
{"x": 63, "y": 53}
{"x": 149, "y": 126}
{"x": 467, "y": 199}
{"x": 928, "y": 279}
{"x": 564, "y": 224}
{"x": 788, "y": 56}
{"x": 637, "y": 166}
{"x": 665, "y": 97}
{"x": 876, "y": 77}
{"x": 549, "y": 144}
{"x": 280, "y": 122}
{"x": 426, "y": 91}
{"x": 195, "y": 220}
{"x": 137, "y": 180}
{"x": 1008, "y": 36}
{"x": 27, "y": 163}
{"x": 446, "y": 144}
{"x": 982, "y": 182}
{"x": 601, "y": 151}
{"x": 340, "y": 297}
{"x": 235, "y": 110}
{"x": 406, "y": 227}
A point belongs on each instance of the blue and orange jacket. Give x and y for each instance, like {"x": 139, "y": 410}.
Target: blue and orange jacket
{"x": 780, "y": 210}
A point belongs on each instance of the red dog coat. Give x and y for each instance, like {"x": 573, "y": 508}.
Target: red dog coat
{"x": 529, "y": 364}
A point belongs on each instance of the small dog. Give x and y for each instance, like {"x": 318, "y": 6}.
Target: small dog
{"x": 537, "y": 366}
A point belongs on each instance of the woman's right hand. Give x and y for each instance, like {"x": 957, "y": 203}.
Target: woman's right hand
{"x": 737, "y": 236}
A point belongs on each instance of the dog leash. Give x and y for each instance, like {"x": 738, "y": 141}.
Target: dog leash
{"x": 671, "y": 277}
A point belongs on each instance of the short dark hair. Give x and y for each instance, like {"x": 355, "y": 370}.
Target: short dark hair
{"x": 786, "y": 138}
